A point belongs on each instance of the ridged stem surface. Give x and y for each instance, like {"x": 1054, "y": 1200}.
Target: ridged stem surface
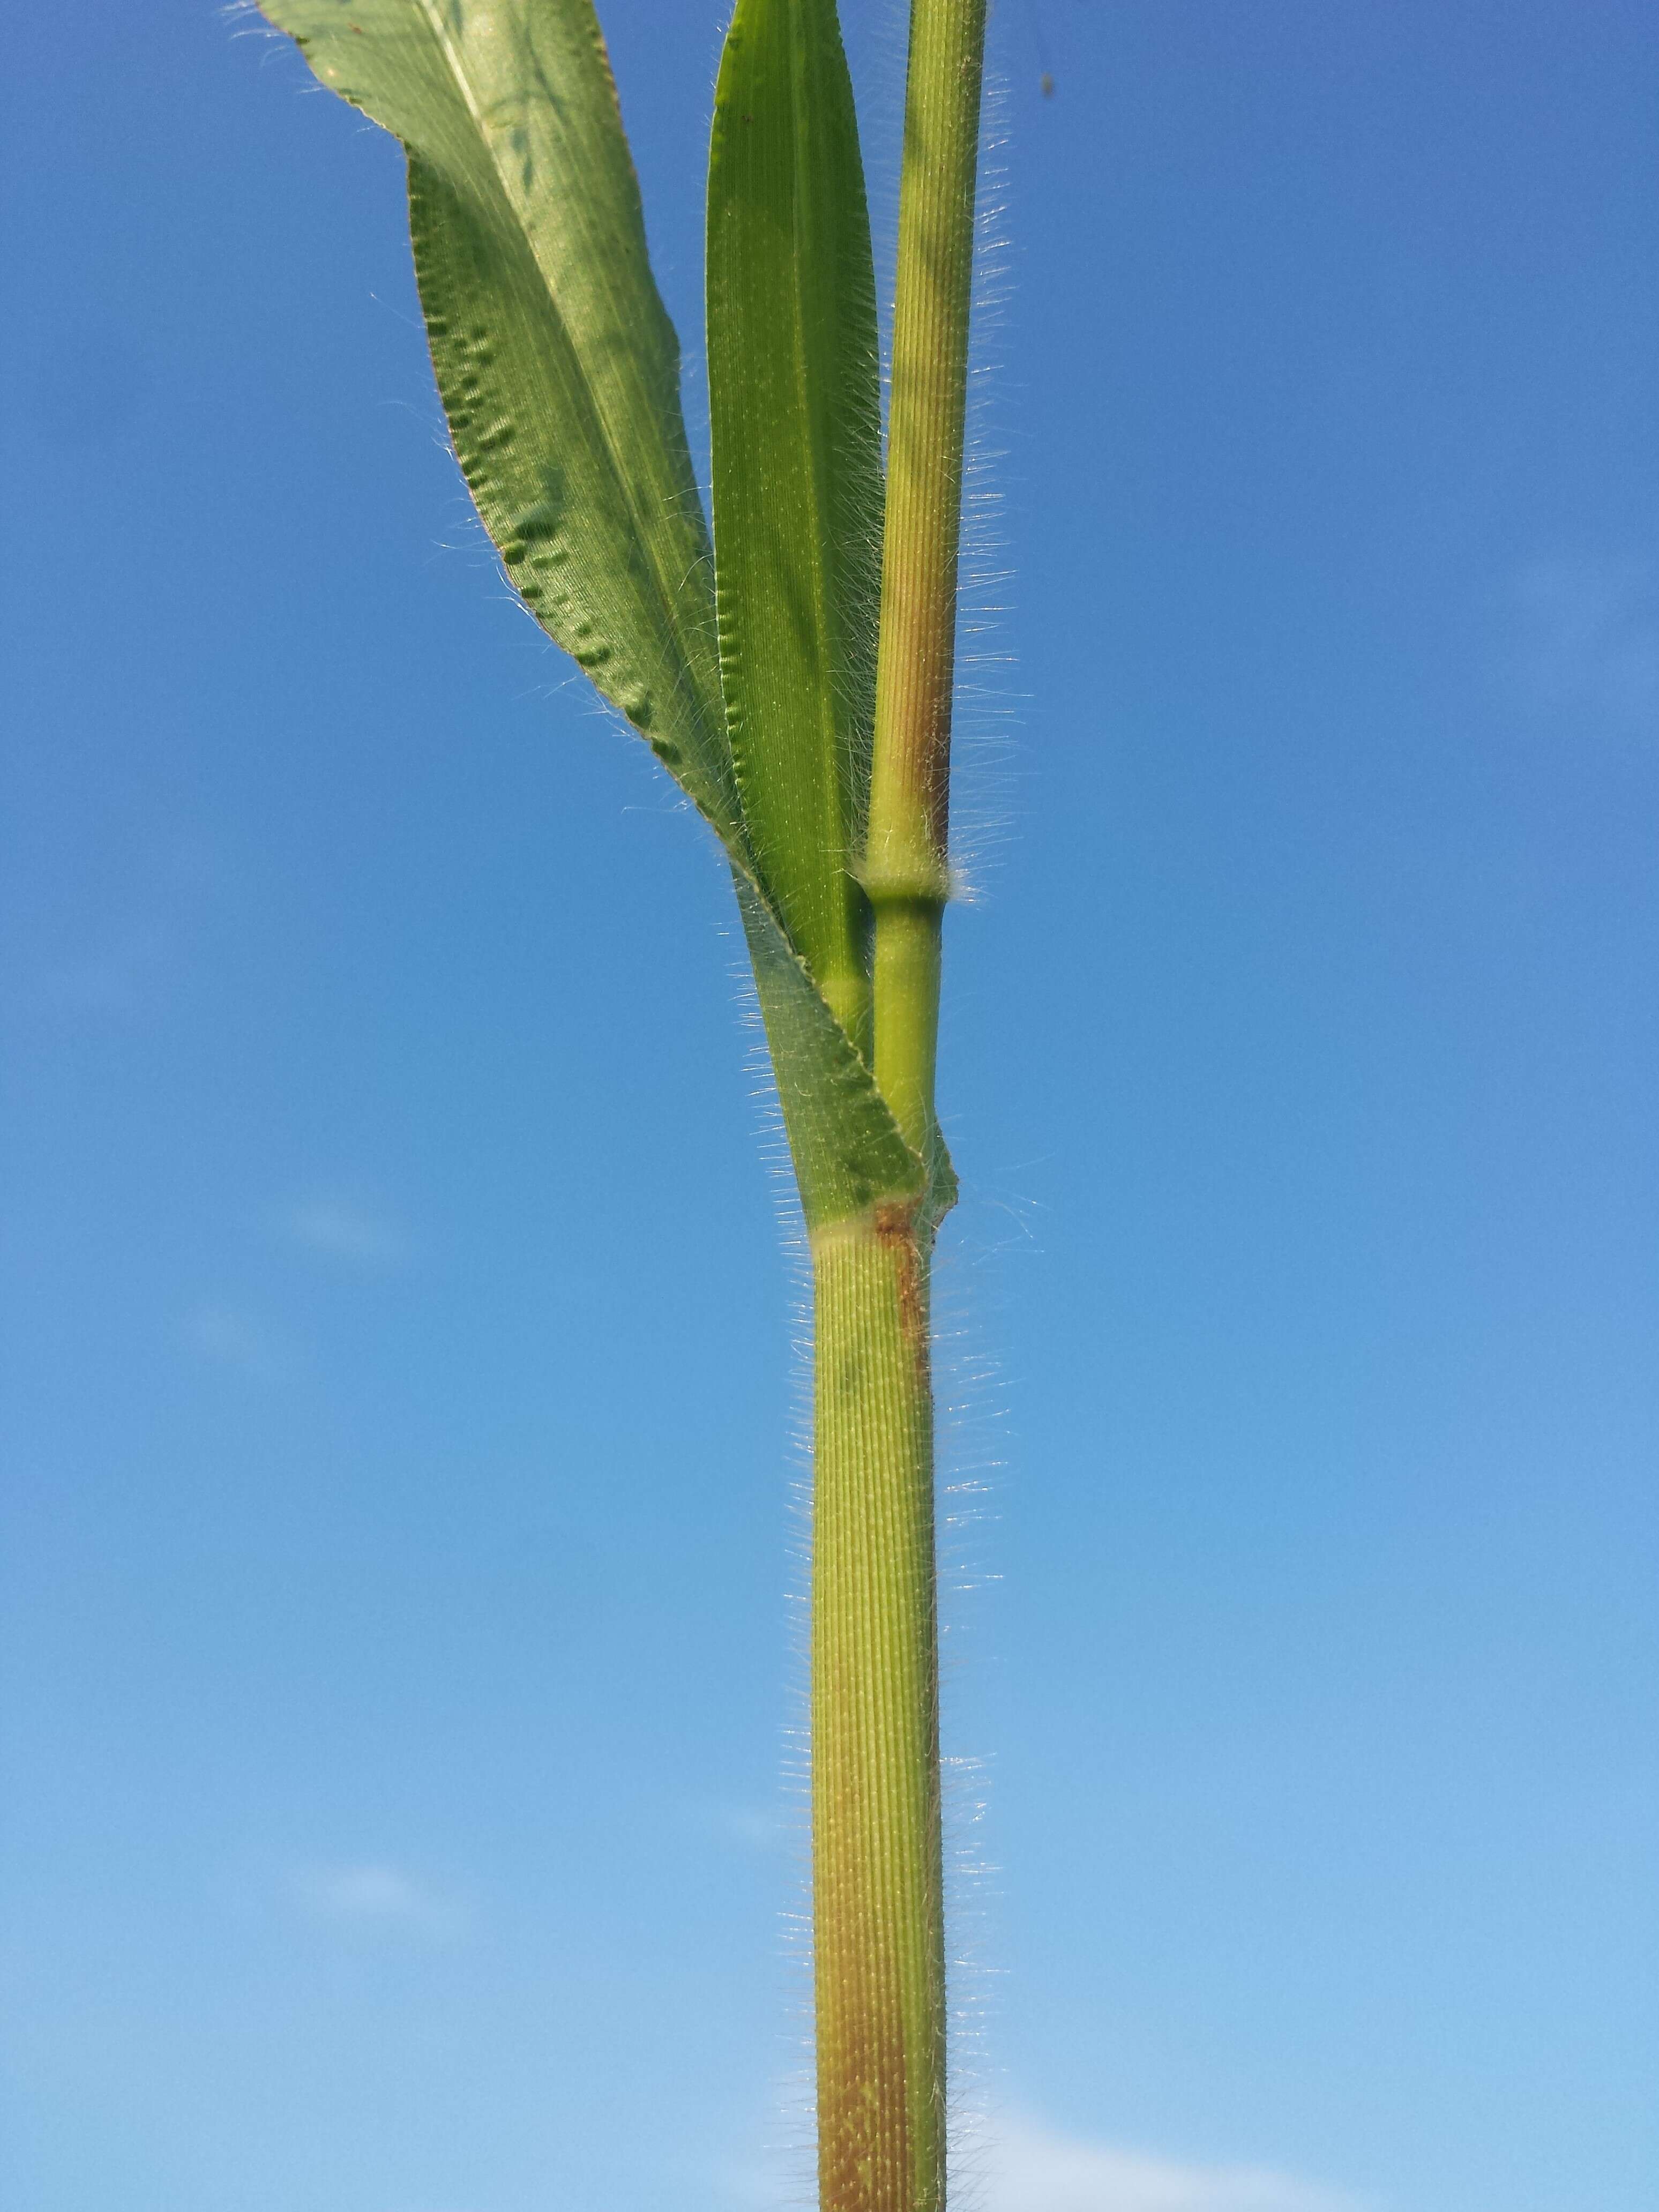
{"x": 877, "y": 1859}
{"x": 878, "y": 1939}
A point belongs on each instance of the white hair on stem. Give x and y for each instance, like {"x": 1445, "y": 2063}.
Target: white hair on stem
{"x": 969, "y": 1400}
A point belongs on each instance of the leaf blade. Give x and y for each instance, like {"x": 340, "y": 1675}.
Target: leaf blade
{"x": 556, "y": 362}
{"x": 794, "y": 402}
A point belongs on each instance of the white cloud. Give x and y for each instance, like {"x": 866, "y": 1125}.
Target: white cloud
{"x": 1030, "y": 2168}
{"x": 1019, "y": 2165}
{"x": 230, "y": 1338}
{"x": 1590, "y": 639}
{"x": 375, "y": 1896}
{"x": 340, "y": 1230}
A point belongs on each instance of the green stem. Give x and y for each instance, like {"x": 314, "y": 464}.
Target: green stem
{"x": 907, "y": 871}
{"x": 879, "y": 1926}
{"x": 878, "y": 1934}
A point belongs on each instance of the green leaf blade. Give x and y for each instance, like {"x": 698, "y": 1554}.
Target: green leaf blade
{"x": 556, "y": 362}
{"x": 794, "y": 400}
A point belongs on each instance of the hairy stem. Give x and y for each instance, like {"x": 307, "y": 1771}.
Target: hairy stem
{"x": 877, "y": 1907}
{"x": 906, "y": 863}
{"x": 876, "y": 1860}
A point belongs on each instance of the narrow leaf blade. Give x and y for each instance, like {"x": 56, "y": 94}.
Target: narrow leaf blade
{"x": 794, "y": 400}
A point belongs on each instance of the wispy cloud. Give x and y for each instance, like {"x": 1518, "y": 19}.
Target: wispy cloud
{"x": 337, "y": 1229}
{"x": 1588, "y": 639}
{"x": 1024, "y": 2165}
{"x": 230, "y": 1338}
{"x": 749, "y": 1828}
{"x": 376, "y": 1896}
{"x": 1031, "y": 2168}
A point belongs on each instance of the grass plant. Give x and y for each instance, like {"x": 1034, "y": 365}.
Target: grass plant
{"x": 795, "y": 678}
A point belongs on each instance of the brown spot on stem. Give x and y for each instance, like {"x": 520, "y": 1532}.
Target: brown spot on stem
{"x": 896, "y": 1232}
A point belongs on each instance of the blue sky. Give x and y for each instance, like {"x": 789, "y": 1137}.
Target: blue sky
{"x": 398, "y": 1371}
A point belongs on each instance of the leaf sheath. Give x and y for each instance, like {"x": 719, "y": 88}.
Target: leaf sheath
{"x": 907, "y": 870}
{"x": 878, "y": 1909}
